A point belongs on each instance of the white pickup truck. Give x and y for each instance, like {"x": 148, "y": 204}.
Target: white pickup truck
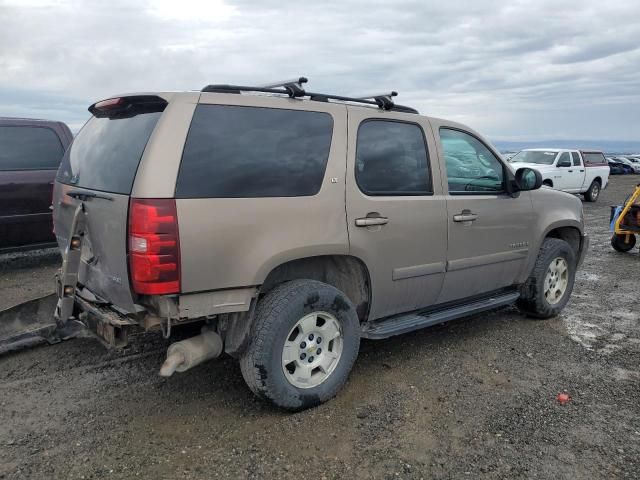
{"x": 572, "y": 171}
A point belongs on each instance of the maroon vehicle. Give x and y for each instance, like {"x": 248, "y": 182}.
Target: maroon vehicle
{"x": 30, "y": 153}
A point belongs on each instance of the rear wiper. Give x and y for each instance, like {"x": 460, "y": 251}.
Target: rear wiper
{"x": 84, "y": 195}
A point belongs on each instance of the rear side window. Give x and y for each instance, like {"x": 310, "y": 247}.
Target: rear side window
{"x": 594, "y": 159}
{"x": 105, "y": 154}
{"x": 29, "y": 148}
{"x": 247, "y": 152}
{"x": 576, "y": 159}
{"x": 391, "y": 159}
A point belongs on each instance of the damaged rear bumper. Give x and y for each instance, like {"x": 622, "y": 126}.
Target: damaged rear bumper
{"x": 110, "y": 326}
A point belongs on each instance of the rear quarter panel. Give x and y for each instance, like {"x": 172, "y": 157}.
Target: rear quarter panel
{"x": 591, "y": 173}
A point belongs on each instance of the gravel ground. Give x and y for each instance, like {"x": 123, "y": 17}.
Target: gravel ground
{"x": 471, "y": 399}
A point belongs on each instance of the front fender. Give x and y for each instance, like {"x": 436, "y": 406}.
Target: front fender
{"x": 553, "y": 210}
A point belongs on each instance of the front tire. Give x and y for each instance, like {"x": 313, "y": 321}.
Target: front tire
{"x": 548, "y": 288}
{"x": 305, "y": 340}
{"x": 593, "y": 193}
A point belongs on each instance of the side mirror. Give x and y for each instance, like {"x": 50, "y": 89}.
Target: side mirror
{"x": 563, "y": 164}
{"x": 528, "y": 179}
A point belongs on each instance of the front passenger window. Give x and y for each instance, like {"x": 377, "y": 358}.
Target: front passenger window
{"x": 471, "y": 167}
{"x": 564, "y": 160}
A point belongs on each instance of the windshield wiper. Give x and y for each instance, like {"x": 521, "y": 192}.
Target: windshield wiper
{"x": 80, "y": 195}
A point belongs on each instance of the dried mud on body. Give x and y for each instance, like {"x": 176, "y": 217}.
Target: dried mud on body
{"x": 471, "y": 399}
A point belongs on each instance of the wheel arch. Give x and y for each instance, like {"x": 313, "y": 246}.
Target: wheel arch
{"x": 569, "y": 234}
{"x": 347, "y": 273}
{"x": 567, "y": 230}
{"x": 548, "y": 182}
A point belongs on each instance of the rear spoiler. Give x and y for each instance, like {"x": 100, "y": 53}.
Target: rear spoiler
{"x": 125, "y": 107}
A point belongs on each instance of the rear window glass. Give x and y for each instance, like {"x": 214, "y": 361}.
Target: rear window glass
{"x": 106, "y": 153}
{"x": 593, "y": 158}
{"x": 234, "y": 152}
{"x": 29, "y": 148}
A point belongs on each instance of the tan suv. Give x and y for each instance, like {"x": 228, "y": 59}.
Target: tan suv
{"x": 292, "y": 224}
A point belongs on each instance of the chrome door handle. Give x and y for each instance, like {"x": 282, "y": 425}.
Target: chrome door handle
{"x": 371, "y": 221}
{"x": 465, "y": 216}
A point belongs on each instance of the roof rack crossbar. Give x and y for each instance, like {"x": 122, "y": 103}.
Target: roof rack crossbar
{"x": 293, "y": 88}
{"x": 383, "y": 100}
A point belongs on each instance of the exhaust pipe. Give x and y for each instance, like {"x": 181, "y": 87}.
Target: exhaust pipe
{"x": 183, "y": 355}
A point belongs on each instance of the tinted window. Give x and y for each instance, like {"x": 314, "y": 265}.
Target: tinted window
{"x": 564, "y": 159}
{"x": 593, "y": 158}
{"x": 391, "y": 159}
{"x": 471, "y": 167}
{"x": 106, "y": 153}
{"x": 29, "y": 148}
{"x": 576, "y": 158}
{"x": 254, "y": 152}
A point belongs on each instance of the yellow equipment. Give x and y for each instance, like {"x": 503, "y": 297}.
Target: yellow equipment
{"x": 626, "y": 223}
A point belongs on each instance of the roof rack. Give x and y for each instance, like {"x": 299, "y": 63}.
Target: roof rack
{"x": 294, "y": 89}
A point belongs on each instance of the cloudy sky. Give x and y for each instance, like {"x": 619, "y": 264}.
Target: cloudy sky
{"x": 515, "y": 70}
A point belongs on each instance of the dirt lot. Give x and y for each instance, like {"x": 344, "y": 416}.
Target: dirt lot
{"x": 471, "y": 399}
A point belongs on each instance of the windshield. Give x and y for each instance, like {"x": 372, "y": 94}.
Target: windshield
{"x": 537, "y": 156}
{"x": 106, "y": 153}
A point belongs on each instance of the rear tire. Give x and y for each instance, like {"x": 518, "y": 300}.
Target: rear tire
{"x": 304, "y": 342}
{"x": 593, "y": 193}
{"x": 618, "y": 243}
{"x": 548, "y": 288}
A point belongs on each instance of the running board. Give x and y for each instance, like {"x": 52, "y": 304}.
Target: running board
{"x": 399, "y": 324}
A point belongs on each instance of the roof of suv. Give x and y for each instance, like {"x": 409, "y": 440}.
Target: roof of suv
{"x": 290, "y": 89}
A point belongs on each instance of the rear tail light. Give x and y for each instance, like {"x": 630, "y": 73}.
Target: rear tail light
{"x": 154, "y": 248}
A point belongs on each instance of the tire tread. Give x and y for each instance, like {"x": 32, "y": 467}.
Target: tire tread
{"x": 531, "y": 301}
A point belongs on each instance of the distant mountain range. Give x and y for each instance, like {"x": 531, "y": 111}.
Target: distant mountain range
{"x": 608, "y": 146}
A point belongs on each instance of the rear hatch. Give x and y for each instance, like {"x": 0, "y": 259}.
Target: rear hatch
{"x": 98, "y": 170}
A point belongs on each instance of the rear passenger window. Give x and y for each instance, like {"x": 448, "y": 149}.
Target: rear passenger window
{"x": 391, "y": 159}
{"x": 576, "y": 159}
{"x": 29, "y": 148}
{"x": 234, "y": 152}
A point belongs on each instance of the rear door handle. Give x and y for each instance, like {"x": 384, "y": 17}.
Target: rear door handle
{"x": 371, "y": 221}
{"x": 465, "y": 216}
